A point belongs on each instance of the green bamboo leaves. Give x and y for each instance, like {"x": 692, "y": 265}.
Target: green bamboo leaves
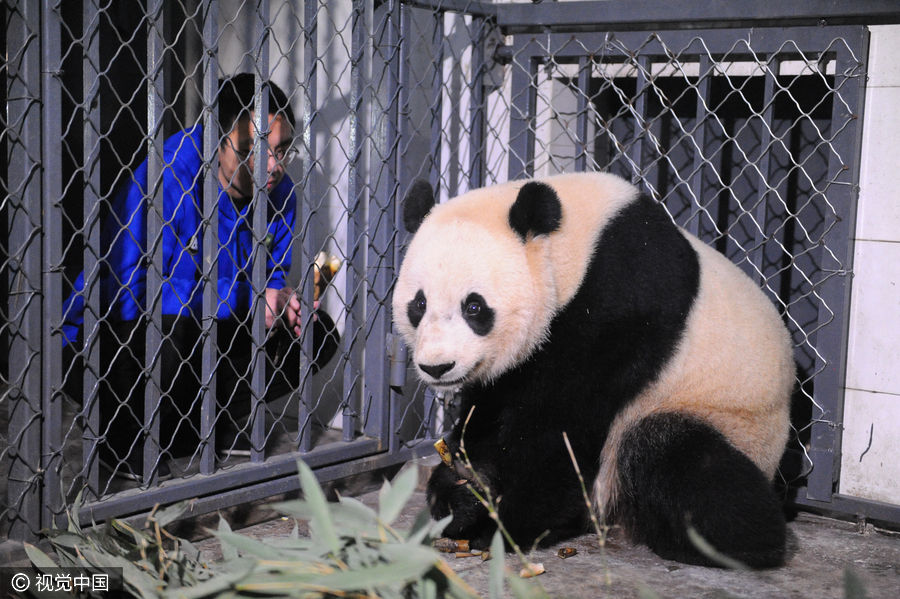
{"x": 352, "y": 550}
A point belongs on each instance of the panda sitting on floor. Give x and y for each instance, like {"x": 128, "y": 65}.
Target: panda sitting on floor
{"x": 573, "y": 304}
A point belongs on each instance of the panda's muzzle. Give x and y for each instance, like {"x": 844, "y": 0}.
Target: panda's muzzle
{"x": 436, "y": 371}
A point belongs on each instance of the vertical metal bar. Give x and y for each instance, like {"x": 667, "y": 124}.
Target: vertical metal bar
{"x": 154, "y": 203}
{"x": 757, "y": 253}
{"x": 260, "y": 218}
{"x": 379, "y": 401}
{"x": 24, "y": 267}
{"x": 641, "y": 130}
{"x": 437, "y": 97}
{"x": 210, "y": 231}
{"x": 585, "y": 64}
{"x": 404, "y": 174}
{"x": 831, "y": 337}
{"x": 476, "y": 108}
{"x": 392, "y": 207}
{"x": 698, "y": 136}
{"x": 310, "y": 196}
{"x": 522, "y": 115}
{"x": 353, "y": 322}
{"x": 90, "y": 265}
{"x": 51, "y": 222}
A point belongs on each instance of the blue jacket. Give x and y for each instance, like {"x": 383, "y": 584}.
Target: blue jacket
{"x": 123, "y": 270}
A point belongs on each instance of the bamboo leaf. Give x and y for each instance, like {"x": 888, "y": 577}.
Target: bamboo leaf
{"x": 167, "y": 515}
{"x": 498, "y": 564}
{"x": 377, "y": 576}
{"x": 146, "y": 584}
{"x": 522, "y": 589}
{"x": 247, "y": 546}
{"x": 214, "y": 587}
{"x": 66, "y": 539}
{"x": 38, "y": 557}
{"x": 393, "y": 497}
{"x": 428, "y": 530}
{"x": 355, "y": 515}
{"x": 321, "y": 525}
{"x": 277, "y": 582}
{"x": 140, "y": 538}
{"x": 73, "y": 511}
{"x": 188, "y": 549}
{"x": 399, "y": 552}
{"x": 428, "y": 589}
{"x": 229, "y": 552}
{"x": 295, "y": 508}
{"x": 456, "y": 586}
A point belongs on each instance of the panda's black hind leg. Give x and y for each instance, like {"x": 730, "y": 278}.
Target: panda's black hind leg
{"x": 677, "y": 471}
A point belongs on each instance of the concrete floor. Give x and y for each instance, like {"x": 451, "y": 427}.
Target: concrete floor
{"x": 821, "y": 550}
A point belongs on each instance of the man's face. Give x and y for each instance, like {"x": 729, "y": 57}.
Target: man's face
{"x": 236, "y": 156}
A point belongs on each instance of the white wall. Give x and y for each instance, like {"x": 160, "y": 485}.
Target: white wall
{"x": 870, "y": 461}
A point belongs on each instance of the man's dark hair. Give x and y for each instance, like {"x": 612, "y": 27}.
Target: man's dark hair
{"x": 236, "y": 100}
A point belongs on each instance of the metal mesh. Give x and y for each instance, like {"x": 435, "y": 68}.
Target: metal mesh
{"x": 744, "y": 137}
{"x": 747, "y": 137}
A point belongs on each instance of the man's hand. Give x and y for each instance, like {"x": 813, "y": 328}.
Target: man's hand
{"x": 282, "y": 304}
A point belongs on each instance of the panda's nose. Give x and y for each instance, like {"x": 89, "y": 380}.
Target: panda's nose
{"x": 436, "y": 370}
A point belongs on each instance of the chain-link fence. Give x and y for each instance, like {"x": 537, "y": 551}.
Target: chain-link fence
{"x": 151, "y": 357}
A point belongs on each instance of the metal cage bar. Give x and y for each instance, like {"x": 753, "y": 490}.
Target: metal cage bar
{"x": 381, "y": 232}
{"x": 476, "y": 108}
{"x": 154, "y": 203}
{"x": 641, "y": 127}
{"x": 51, "y": 283}
{"x": 698, "y": 136}
{"x": 92, "y": 245}
{"x": 584, "y": 92}
{"x": 310, "y": 197}
{"x": 261, "y": 208}
{"x": 836, "y": 261}
{"x": 764, "y": 168}
{"x": 24, "y": 269}
{"x": 434, "y": 163}
{"x": 357, "y": 192}
{"x": 211, "y": 142}
{"x": 521, "y": 127}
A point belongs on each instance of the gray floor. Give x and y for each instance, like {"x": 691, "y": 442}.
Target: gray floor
{"x": 821, "y": 549}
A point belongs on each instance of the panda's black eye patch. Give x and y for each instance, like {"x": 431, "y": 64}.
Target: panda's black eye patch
{"x": 415, "y": 309}
{"x": 477, "y": 314}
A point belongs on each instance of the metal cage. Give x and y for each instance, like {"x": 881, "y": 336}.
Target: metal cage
{"x": 746, "y": 129}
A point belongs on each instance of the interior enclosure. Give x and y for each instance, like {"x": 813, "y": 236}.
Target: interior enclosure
{"x": 746, "y": 129}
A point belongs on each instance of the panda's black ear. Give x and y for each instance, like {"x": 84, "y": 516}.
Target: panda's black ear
{"x": 417, "y": 204}
{"x": 536, "y": 210}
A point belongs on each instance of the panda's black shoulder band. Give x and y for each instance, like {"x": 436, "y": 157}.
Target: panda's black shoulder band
{"x": 417, "y": 204}
{"x": 536, "y": 211}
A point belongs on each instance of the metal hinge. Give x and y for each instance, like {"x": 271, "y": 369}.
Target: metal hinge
{"x": 398, "y": 356}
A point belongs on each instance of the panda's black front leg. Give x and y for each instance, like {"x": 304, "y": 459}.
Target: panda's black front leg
{"x": 450, "y": 492}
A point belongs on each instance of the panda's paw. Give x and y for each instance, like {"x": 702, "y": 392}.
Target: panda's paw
{"x": 448, "y": 494}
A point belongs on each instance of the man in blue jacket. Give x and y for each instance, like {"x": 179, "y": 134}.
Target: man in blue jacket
{"x": 123, "y": 287}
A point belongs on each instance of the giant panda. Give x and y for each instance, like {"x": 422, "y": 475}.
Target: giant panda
{"x": 574, "y": 305}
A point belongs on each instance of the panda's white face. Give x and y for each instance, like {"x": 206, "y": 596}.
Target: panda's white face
{"x": 468, "y": 302}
